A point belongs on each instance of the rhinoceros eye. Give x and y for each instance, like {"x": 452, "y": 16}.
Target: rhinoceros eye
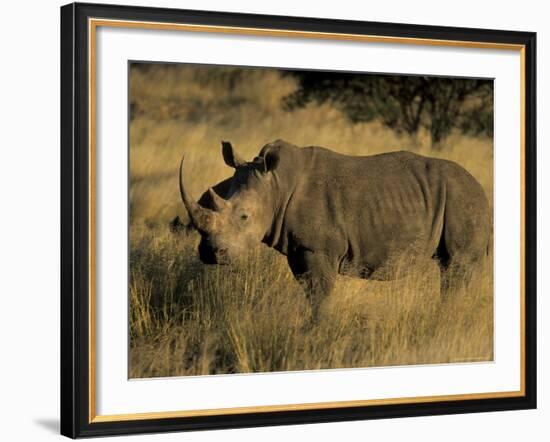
{"x": 244, "y": 216}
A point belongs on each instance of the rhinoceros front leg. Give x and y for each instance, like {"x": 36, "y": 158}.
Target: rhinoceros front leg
{"x": 316, "y": 274}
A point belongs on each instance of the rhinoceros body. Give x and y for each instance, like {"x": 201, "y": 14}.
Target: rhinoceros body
{"x": 338, "y": 214}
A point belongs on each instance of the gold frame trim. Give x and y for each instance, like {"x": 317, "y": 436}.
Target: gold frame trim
{"x": 93, "y": 24}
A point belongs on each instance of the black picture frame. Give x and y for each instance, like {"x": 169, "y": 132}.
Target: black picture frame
{"x": 75, "y": 220}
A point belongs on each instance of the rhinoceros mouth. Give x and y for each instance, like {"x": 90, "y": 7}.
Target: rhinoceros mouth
{"x": 213, "y": 261}
{"x": 208, "y": 255}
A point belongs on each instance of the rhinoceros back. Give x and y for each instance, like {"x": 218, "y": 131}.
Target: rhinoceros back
{"x": 363, "y": 210}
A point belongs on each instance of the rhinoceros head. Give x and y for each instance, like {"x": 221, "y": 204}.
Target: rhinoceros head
{"x": 235, "y": 215}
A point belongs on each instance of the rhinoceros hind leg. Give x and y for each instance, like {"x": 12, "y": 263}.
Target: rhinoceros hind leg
{"x": 458, "y": 273}
{"x": 466, "y": 230}
{"x": 457, "y": 263}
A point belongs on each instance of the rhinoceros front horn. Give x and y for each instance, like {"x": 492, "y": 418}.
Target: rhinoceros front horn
{"x": 201, "y": 218}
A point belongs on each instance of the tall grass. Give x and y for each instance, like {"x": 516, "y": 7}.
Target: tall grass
{"x": 190, "y": 319}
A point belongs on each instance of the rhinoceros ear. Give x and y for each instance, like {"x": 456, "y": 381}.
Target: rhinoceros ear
{"x": 270, "y": 159}
{"x": 231, "y": 158}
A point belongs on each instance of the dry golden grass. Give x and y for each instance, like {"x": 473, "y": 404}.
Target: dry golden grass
{"x": 190, "y": 319}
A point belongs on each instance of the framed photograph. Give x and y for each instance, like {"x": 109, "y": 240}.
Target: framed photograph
{"x": 276, "y": 220}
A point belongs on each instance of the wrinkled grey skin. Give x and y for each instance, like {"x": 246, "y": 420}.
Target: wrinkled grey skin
{"x": 336, "y": 214}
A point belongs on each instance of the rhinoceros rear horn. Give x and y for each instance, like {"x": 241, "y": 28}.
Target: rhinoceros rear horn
{"x": 201, "y": 218}
{"x": 230, "y": 156}
{"x": 218, "y": 202}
